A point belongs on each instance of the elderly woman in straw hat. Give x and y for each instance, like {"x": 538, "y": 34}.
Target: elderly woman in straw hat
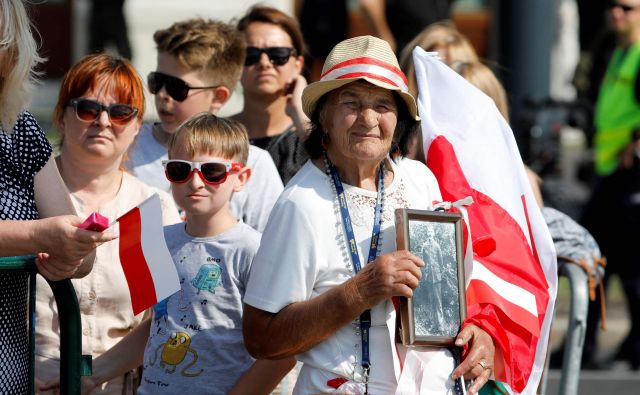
{"x": 322, "y": 282}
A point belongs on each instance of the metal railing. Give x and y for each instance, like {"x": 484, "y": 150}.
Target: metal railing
{"x": 73, "y": 365}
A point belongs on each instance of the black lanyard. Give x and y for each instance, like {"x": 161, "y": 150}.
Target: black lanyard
{"x": 365, "y": 317}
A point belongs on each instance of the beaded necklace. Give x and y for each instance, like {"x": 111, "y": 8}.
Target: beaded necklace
{"x": 338, "y": 189}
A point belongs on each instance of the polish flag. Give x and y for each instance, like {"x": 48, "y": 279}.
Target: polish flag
{"x": 511, "y": 276}
{"x": 145, "y": 258}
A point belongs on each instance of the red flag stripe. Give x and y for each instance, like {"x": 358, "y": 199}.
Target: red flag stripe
{"x": 479, "y": 292}
{"x": 490, "y": 221}
{"x": 133, "y": 262}
{"x": 500, "y": 244}
{"x": 513, "y": 359}
{"x": 364, "y": 61}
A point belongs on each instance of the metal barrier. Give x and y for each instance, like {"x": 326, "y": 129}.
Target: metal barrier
{"x": 20, "y": 272}
{"x": 574, "y": 341}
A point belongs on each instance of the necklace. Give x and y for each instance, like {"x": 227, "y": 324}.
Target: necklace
{"x": 338, "y": 188}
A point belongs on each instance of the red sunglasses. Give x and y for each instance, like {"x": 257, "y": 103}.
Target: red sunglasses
{"x": 212, "y": 172}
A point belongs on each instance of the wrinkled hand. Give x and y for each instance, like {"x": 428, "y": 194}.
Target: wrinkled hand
{"x": 478, "y": 363}
{"x": 393, "y": 274}
{"x": 63, "y": 245}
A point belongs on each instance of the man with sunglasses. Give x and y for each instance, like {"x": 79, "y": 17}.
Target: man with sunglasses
{"x": 198, "y": 66}
{"x": 614, "y": 203}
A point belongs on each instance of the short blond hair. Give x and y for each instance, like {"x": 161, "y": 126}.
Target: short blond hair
{"x": 214, "y": 49}
{"x": 16, "y": 38}
{"x": 439, "y": 34}
{"x": 483, "y": 78}
{"x": 208, "y": 134}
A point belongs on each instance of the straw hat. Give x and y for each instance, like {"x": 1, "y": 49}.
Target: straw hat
{"x": 360, "y": 58}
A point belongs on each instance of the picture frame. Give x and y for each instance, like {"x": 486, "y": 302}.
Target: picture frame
{"x": 433, "y": 316}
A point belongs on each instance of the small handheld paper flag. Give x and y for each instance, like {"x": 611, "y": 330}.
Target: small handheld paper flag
{"x": 147, "y": 264}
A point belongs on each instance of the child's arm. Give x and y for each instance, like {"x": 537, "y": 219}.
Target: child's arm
{"x": 124, "y": 356}
{"x": 263, "y": 376}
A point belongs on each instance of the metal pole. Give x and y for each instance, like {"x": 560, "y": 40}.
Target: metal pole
{"x": 574, "y": 342}
{"x": 526, "y": 29}
{"x": 70, "y": 336}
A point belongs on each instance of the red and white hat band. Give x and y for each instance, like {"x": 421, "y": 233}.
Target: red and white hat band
{"x": 367, "y": 67}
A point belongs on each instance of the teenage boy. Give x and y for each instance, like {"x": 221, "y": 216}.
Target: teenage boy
{"x": 199, "y": 64}
{"x": 194, "y": 340}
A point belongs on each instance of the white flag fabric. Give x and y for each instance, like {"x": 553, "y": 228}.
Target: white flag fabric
{"x": 512, "y": 274}
{"x": 147, "y": 264}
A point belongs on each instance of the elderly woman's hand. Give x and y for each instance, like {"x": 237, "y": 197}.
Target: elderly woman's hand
{"x": 393, "y": 274}
{"x": 62, "y": 245}
{"x": 478, "y": 363}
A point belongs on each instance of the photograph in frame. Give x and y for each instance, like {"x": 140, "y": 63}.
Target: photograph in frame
{"x": 434, "y": 314}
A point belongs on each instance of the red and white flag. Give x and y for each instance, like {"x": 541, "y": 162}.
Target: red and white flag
{"x": 512, "y": 276}
{"x": 145, "y": 258}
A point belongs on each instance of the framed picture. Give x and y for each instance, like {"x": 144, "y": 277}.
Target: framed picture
{"x": 435, "y": 312}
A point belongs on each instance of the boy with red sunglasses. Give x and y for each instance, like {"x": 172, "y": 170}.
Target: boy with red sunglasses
{"x": 194, "y": 340}
{"x": 199, "y": 64}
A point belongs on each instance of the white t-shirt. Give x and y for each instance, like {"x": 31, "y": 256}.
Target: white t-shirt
{"x": 252, "y": 205}
{"x": 303, "y": 254}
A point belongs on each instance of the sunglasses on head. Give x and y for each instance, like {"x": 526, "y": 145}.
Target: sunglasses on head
{"x": 175, "y": 87}
{"x": 277, "y": 55}
{"x": 89, "y": 110}
{"x": 624, "y": 7}
{"x": 212, "y": 172}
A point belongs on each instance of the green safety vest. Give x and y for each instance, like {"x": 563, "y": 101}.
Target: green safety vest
{"x": 617, "y": 111}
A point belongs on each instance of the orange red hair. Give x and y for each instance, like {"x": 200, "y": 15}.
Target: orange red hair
{"x": 120, "y": 76}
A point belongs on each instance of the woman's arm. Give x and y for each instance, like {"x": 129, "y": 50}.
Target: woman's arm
{"x": 70, "y": 251}
{"x": 124, "y": 356}
{"x": 64, "y": 244}
{"x": 52, "y": 197}
{"x": 301, "y": 325}
{"x": 263, "y": 376}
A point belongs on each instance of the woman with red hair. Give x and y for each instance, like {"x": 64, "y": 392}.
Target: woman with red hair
{"x": 98, "y": 115}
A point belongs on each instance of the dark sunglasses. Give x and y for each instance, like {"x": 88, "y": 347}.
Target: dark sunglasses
{"x": 212, "y": 173}
{"x": 624, "y": 7}
{"x": 176, "y": 88}
{"x": 277, "y": 55}
{"x": 89, "y": 110}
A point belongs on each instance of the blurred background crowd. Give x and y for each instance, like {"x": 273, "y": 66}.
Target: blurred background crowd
{"x": 550, "y": 55}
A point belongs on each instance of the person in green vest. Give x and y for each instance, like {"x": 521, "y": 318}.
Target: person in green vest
{"x": 613, "y": 212}
{"x": 617, "y": 114}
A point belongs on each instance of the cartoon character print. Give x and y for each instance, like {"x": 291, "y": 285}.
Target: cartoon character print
{"x": 174, "y": 351}
{"x": 208, "y": 278}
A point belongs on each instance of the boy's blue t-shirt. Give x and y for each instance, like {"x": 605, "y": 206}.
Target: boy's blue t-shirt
{"x": 195, "y": 345}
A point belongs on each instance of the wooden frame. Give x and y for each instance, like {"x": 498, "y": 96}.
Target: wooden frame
{"x": 434, "y": 314}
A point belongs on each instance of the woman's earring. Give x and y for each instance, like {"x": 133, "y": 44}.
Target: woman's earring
{"x": 325, "y": 140}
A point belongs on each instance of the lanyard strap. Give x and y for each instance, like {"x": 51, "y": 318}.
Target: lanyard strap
{"x": 365, "y": 317}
